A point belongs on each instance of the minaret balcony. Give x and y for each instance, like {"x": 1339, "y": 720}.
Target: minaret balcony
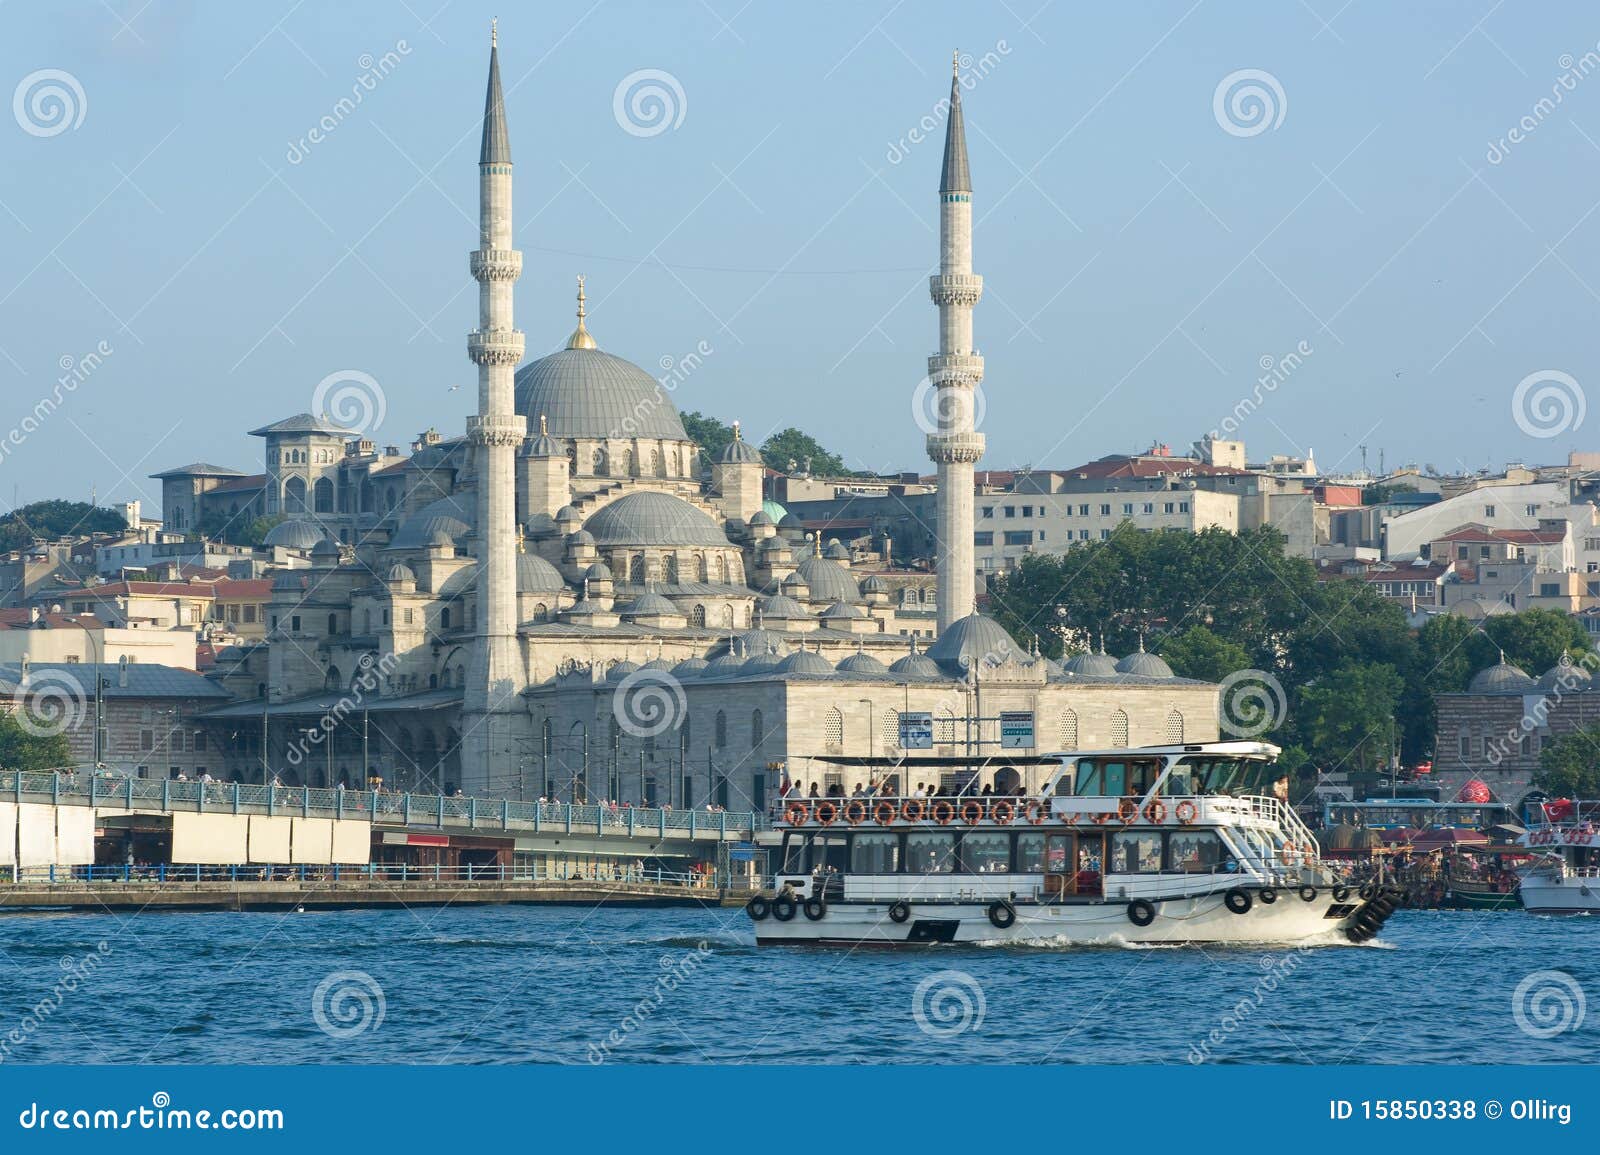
{"x": 495, "y": 346}
{"x": 495, "y": 264}
{"x": 507, "y": 429}
{"x": 955, "y": 448}
{"x": 955, "y": 369}
{"x": 956, "y": 289}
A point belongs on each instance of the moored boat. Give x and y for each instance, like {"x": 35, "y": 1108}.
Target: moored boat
{"x": 1565, "y": 877}
{"x": 1158, "y": 844}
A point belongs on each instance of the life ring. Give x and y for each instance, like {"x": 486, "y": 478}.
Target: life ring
{"x": 1103, "y": 817}
{"x": 783, "y": 908}
{"x": 758, "y": 908}
{"x": 1003, "y": 812}
{"x": 972, "y": 812}
{"x": 797, "y": 814}
{"x": 1033, "y": 812}
{"x": 1308, "y": 893}
{"x": 1288, "y": 851}
{"x": 1340, "y": 893}
{"x": 1002, "y": 914}
{"x": 900, "y": 911}
{"x": 855, "y": 812}
{"x": 914, "y": 810}
{"x": 1141, "y": 913}
{"x": 1128, "y": 810}
{"x": 943, "y": 812}
{"x": 883, "y": 813}
{"x": 1186, "y": 812}
{"x": 827, "y": 813}
{"x": 1267, "y": 895}
{"x": 1155, "y": 812}
{"x": 815, "y": 909}
{"x": 1238, "y": 900}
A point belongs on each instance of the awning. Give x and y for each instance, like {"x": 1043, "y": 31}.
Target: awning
{"x": 342, "y": 704}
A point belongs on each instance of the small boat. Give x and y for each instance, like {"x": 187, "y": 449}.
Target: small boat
{"x": 1564, "y": 878}
{"x": 1155, "y": 844}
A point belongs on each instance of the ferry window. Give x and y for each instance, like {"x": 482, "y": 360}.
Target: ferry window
{"x": 1116, "y": 778}
{"x": 1195, "y": 851}
{"x": 1090, "y": 779}
{"x": 1180, "y": 781}
{"x": 930, "y": 852}
{"x": 1030, "y": 854}
{"x": 985, "y": 853}
{"x": 794, "y": 853}
{"x": 804, "y": 853}
{"x": 1136, "y": 854}
{"x": 1142, "y": 776}
{"x": 875, "y": 854}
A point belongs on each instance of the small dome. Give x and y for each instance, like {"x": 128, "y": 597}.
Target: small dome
{"x": 537, "y": 576}
{"x": 790, "y": 521}
{"x": 542, "y": 445}
{"x": 567, "y": 513}
{"x": 296, "y": 534}
{"x": 690, "y": 668}
{"x": 649, "y": 604}
{"x": 724, "y": 666}
{"x": 621, "y": 670}
{"x": 598, "y": 572}
{"x": 440, "y": 538}
{"x": 1091, "y": 665}
{"x": 828, "y": 580}
{"x": 795, "y": 586}
{"x": 874, "y": 585}
{"x": 1144, "y": 665}
{"x": 754, "y": 643}
{"x": 1503, "y": 678}
{"x": 326, "y": 548}
{"x": 863, "y": 665}
{"x": 804, "y": 663}
{"x": 1565, "y": 676}
{"x": 739, "y": 452}
{"x": 582, "y": 537}
{"x": 915, "y": 665}
{"x": 774, "y": 510}
{"x": 782, "y": 608}
{"x": 541, "y": 525}
{"x": 839, "y": 611}
{"x": 453, "y": 515}
{"x": 399, "y": 573}
{"x": 836, "y": 551}
{"x": 291, "y": 581}
{"x": 763, "y": 663}
{"x": 760, "y": 517}
{"x": 650, "y": 518}
{"x": 970, "y": 641}
{"x": 661, "y": 664}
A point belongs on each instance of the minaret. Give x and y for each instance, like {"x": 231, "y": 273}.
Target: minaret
{"x": 496, "y": 674}
{"x": 955, "y": 371}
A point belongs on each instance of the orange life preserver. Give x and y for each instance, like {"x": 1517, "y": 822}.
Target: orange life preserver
{"x": 883, "y": 813}
{"x": 943, "y": 812}
{"x": 855, "y": 812}
{"x": 972, "y": 813}
{"x": 1288, "y": 852}
{"x": 1187, "y": 812}
{"x": 1155, "y": 812}
{"x": 1103, "y": 817}
{"x": 797, "y": 814}
{"x": 1128, "y": 810}
{"x": 1033, "y": 812}
{"x": 831, "y": 815}
{"x": 914, "y": 810}
{"x": 1002, "y": 812}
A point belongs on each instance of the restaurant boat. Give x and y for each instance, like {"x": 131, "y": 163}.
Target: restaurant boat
{"x": 1157, "y": 844}
{"x": 1564, "y": 878}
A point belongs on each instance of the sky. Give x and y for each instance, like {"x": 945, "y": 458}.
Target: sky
{"x": 1387, "y": 217}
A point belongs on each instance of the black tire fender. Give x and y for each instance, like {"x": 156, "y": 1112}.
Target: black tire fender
{"x": 783, "y": 909}
{"x": 1268, "y": 895}
{"x": 1238, "y": 900}
{"x": 1340, "y": 893}
{"x": 815, "y": 909}
{"x": 900, "y": 911}
{"x": 1308, "y": 893}
{"x": 1141, "y": 913}
{"x": 758, "y": 908}
{"x": 1002, "y": 914}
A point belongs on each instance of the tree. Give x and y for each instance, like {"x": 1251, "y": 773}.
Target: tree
{"x": 1532, "y": 639}
{"x": 1347, "y": 719}
{"x": 1199, "y": 653}
{"x": 46, "y": 520}
{"x": 1569, "y": 767}
{"x": 802, "y": 450}
{"x": 711, "y": 435}
{"x": 20, "y": 750}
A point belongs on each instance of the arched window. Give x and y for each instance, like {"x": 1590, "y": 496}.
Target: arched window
{"x": 727, "y": 615}
{"x": 1068, "y": 735}
{"x": 333, "y": 623}
{"x": 600, "y": 462}
{"x": 908, "y": 596}
{"x": 294, "y": 495}
{"x": 758, "y": 731}
{"x": 671, "y": 577}
{"x": 722, "y": 729}
{"x": 1175, "y": 726}
{"x": 636, "y": 569}
{"x": 332, "y": 681}
{"x": 658, "y": 465}
{"x": 444, "y": 618}
{"x": 833, "y": 729}
{"x": 1119, "y": 729}
{"x": 700, "y": 571}
{"x": 722, "y": 568}
{"x": 625, "y": 463}
{"x": 889, "y": 728}
{"x": 541, "y": 612}
{"x": 697, "y": 617}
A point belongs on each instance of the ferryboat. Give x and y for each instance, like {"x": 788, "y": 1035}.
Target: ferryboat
{"x": 1564, "y": 878}
{"x": 1155, "y": 844}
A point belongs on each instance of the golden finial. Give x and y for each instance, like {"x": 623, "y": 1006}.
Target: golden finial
{"x": 544, "y": 426}
{"x": 736, "y": 430}
{"x": 494, "y": 31}
{"x": 580, "y": 338}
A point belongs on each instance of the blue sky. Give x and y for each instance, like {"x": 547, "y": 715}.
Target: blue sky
{"x": 1140, "y": 259}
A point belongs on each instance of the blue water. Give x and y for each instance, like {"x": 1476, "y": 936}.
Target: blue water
{"x": 543, "y": 984}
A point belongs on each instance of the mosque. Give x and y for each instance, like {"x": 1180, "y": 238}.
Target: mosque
{"x": 570, "y": 602}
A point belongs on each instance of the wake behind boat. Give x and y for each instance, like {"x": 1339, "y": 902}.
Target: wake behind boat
{"x": 1157, "y": 844}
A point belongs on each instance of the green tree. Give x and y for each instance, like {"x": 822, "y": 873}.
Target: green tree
{"x": 711, "y": 435}
{"x": 791, "y": 445}
{"x": 46, "y": 520}
{"x": 1569, "y": 767}
{"x": 1532, "y": 639}
{"x": 1199, "y": 653}
{"x": 1347, "y": 719}
{"x": 20, "y": 750}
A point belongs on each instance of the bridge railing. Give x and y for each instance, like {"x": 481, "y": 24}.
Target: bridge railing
{"x": 379, "y": 807}
{"x": 176, "y": 874}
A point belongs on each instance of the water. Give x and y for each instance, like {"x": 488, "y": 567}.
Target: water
{"x": 544, "y": 984}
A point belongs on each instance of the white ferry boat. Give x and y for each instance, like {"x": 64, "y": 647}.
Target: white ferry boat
{"x": 1565, "y": 877}
{"x": 1158, "y": 844}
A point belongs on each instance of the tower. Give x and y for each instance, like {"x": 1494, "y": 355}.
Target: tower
{"x": 495, "y": 675}
{"x": 955, "y": 371}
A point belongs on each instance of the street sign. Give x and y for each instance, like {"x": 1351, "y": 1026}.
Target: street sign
{"x": 916, "y": 731}
{"x": 1016, "y": 729}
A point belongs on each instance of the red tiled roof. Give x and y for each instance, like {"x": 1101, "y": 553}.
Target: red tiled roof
{"x": 1476, "y": 532}
{"x": 244, "y": 587}
{"x": 21, "y": 619}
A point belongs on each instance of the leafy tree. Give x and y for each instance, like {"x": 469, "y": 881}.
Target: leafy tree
{"x": 1378, "y": 494}
{"x": 1569, "y": 767}
{"x": 1446, "y": 653}
{"x": 45, "y": 520}
{"x": 258, "y": 529}
{"x": 1532, "y": 639}
{"x": 1199, "y": 653}
{"x": 711, "y": 435}
{"x": 791, "y": 445}
{"x": 20, "y": 750}
{"x": 1347, "y": 719}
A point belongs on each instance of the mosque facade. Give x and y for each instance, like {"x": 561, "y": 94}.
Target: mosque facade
{"x": 569, "y": 601}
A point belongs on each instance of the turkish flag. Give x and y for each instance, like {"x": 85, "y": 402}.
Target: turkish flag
{"x": 1559, "y": 810}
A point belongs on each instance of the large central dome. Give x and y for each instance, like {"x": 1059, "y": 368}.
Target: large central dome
{"x": 590, "y": 393}
{"x": 649, "y": 518}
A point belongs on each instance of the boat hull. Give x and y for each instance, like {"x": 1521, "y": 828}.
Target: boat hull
{"x": 1560, "y": 896}
{"x": 1194, "y": 919}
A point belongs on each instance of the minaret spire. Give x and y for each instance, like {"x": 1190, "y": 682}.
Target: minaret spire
{"x": 955, "y": 372}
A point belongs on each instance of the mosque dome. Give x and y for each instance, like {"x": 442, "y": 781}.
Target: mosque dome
{"x": 295, "y": 534}
{"x": 774, "y": 510}
{"x": 293, "y": 581}
{"x": 915, "y": 665}
{"x": 739, "y": 451}
{"x": 1144, "y": 665}
{"x": 790, "y": 521}
{"x": 782, "y": 608}
{"x": 326, "y": 549}
{"x": 690, "y": 668}
{"x": 400, "y": 573}
{"x": 839, "y": 611}
{"x": 451, "y": 516}
{"x": 828, "y": 580}
{"x": 805, "y": 663}
{"x": 1091, "y": 665}
{"x": 543, "y": 445}
{"x": 598, "y": 572}
{"x": 568, "y": 513}
{"x": 836, "y": 551}
{"x": 1566, "y": 675}
{"x": 649, "y": 604}
{"x": 721, "y": 667}
{"x": 1502, "y": 678}
{"x": 760, "y": 517}
{"x": 874, "y": 585}
{"x": 764, "y": 663}
{"x": 754, "y": 643}
{"x": 580, "y": 537}
{"x": 541, "y": 525}
{"x": 537, "y": 576}
{"x": 649, "y": 518}
{"x": 970, "y": 641}
{"x": 660, "y": 664}
{"x": 621, "y": 670}
{"x": 863, "y": 665}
